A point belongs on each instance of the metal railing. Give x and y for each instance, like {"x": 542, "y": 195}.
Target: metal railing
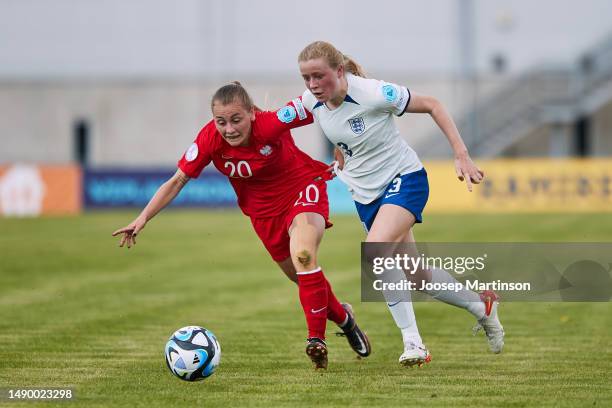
{"x": 539, "y": 97}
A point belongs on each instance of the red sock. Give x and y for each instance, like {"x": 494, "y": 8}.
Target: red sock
{"x": 313, "y": 296}
{"x": 335, "y": 311}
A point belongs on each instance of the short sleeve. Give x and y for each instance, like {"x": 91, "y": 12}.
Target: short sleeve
{"x": 271, "y": 124}
{"x": 199, "y": 153}
{"x": 392, "y": 98}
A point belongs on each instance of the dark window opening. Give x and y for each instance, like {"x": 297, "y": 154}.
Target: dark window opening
{"x": 81, "y": 134}
{"x": 499, "y": 63}
{"x": 582, "y": 140}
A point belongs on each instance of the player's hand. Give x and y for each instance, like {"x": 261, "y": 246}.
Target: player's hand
{"x": 337, "y": 164}
{"x": 339, "y": 157}
{"x": 330, "y": 173}
{"x": 467, "y": 171}
{"x": 129, "y": 233}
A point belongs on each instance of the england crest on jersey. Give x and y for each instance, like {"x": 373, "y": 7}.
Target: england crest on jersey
{"x": 357, "y": 125}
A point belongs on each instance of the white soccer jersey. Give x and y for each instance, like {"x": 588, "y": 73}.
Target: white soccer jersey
{"x": 364, "y": 129}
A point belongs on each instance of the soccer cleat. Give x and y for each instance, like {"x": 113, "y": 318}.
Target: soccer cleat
{"x": 414, "y": 354}
{"x": 317, "y": 351}
{"x": 490, "y": 322}
{"x": 357, "y": 339}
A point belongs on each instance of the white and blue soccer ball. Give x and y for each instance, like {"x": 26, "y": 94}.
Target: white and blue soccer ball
{"x": 193, "y": 353}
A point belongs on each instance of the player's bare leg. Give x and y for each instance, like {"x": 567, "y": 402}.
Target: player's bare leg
{"x": 306, "y": 232}
{"x": 482, "y": 306}
{"x": 394, "y": 224}
{"x": 288, "y": 269}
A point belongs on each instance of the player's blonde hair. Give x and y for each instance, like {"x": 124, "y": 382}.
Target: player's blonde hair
{"x": 233, "y": 92}
{"x": 333, "y": 57}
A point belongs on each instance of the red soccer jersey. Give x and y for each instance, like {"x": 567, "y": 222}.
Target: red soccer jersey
{"x": 267, "y": 174}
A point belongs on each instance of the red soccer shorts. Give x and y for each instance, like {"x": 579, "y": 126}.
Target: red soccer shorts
{"x": 273, "y": 231}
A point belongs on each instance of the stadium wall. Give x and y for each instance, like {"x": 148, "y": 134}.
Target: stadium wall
{"x": 526, "y": 185}
{"x": 150, "y": 123}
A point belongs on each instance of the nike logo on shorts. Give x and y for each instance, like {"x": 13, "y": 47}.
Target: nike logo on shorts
{"x": 391, "y": 195}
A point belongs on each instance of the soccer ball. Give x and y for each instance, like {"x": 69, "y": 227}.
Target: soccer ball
{"x": 192, "y": 353}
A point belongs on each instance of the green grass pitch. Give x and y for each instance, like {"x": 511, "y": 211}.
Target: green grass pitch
{"x": 77, "y": 311}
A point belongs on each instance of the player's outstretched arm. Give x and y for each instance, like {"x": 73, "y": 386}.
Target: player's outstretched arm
{"x": 164, "y": 196}
{"x": 464, "y": 166}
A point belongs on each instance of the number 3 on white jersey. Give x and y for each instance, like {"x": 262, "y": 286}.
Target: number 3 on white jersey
{"x": 242, "y": 168}
{"x": 311, "y": 196}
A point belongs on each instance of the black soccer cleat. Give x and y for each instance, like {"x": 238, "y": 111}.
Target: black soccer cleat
{"x": 317, "y": 351}
{"x": 357, "y": 339}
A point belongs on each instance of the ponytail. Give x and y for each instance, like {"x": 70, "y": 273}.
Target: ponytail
{"x": 354, "y": 68}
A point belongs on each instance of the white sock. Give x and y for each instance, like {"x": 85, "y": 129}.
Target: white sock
{"x": 465, "y": 299}
{"x": 403, "y": 314}
{"x": 400, "y": 306}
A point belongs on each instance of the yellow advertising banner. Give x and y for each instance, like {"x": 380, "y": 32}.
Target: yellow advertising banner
{"x": 524, "y": 185}
{"x": 30, "y": 190}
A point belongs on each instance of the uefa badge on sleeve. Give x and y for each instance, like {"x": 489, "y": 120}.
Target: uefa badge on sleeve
{"x": 192, "y": 152}
{"x": 389, "y": 92}
{"x": 286, "y": 114}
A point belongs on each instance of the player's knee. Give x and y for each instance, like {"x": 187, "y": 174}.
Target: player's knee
{"x": 305, "y": 258}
